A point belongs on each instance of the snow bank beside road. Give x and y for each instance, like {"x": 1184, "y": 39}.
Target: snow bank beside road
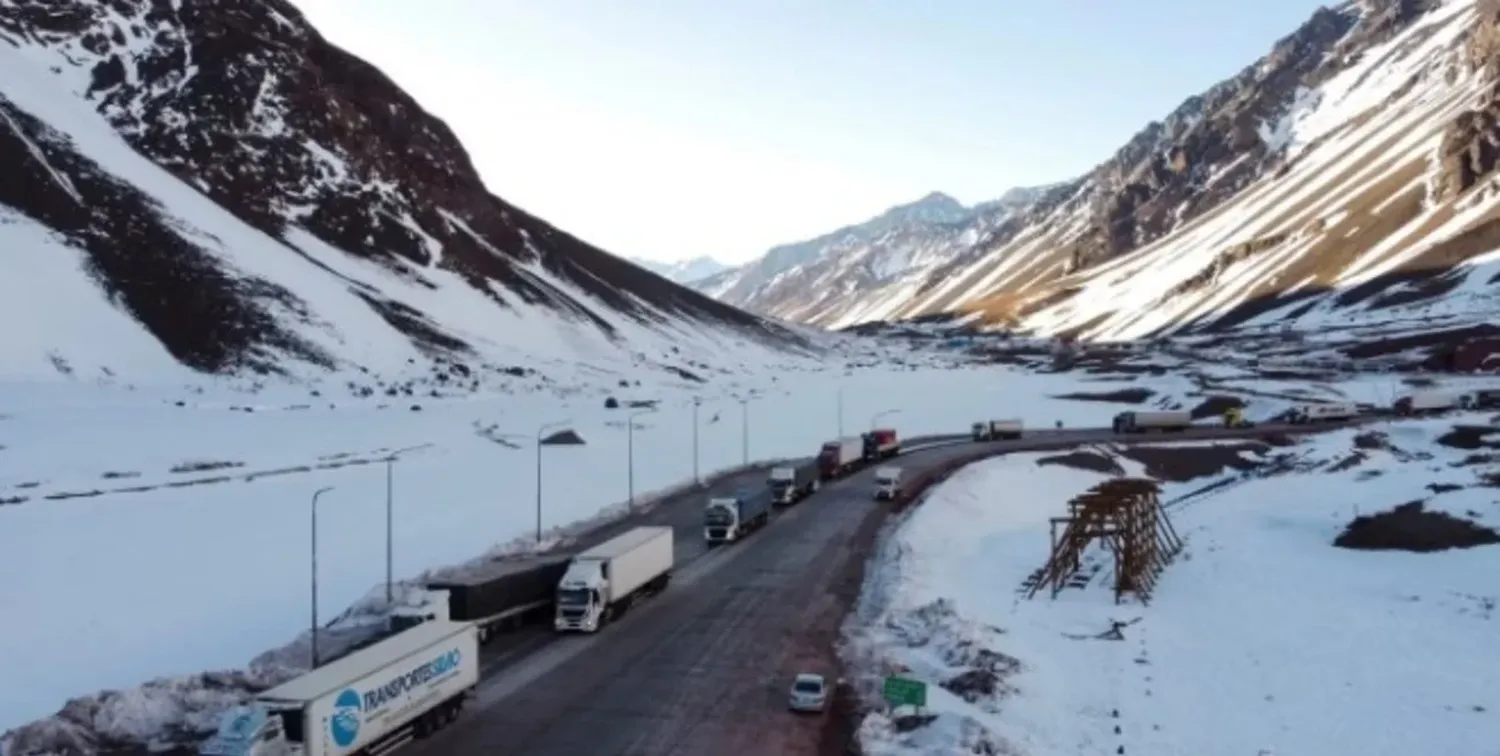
{"x": 1261, "y": 638}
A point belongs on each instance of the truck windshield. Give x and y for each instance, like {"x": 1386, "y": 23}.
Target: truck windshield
{"x": 573, "y": 597}
{"x": 718, "y": 516}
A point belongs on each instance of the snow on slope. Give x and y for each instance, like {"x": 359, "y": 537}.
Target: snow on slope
{"x": 1340, "y": 177}
{"x": 140, "y": 498}
{"x": 321, "y": 222}
{"x": 1261, "y": 638}
{"x": 865, "y": 271}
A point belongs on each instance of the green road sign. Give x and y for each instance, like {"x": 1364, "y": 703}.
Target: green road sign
{"x": 899, "y": 691}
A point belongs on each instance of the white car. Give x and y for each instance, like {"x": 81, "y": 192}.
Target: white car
{"x": 809, "y": 693}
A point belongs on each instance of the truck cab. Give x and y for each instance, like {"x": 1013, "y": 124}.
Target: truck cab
{"x": 721, "y": 520}
{"x": 981, "y": 431}
{"x": 582, "y": 595}
{"x": 887, "y": 483}
{"x": 254, "y": 730}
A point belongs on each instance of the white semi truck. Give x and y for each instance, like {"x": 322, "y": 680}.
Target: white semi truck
{"x": 994, "y": 430}
{"x": 370, "y": 701}
{"x": 1141, "y": 422}
{"x": 1430, "y": 400}
{"x": 603, "y": 581}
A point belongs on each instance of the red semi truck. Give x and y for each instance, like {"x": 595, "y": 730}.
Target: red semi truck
{"x": 881, "y": 443}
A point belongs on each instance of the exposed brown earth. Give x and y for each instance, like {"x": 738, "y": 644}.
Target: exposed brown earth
{"x": 1178, "y": 464}
{"x": 1084, "y": 460}
{"x": 1123, "y": 396}
{"x": 1412, "y": 527}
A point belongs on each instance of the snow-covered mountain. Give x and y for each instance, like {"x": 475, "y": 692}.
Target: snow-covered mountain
{"x": 684, "y": 271}
{"x": 214, "y": 185}
{"x": 1350, "y": 171}
{"x": 847, "y": 275}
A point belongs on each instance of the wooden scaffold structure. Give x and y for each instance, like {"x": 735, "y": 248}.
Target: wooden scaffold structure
{"x": 1127, "y": 516}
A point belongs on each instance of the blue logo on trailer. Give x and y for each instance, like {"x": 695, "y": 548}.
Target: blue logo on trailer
{"x": 344, "y": 724}
{"x": 350, "y": 708}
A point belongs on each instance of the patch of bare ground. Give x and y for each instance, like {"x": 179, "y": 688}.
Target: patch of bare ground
{"x": 1471, "y": 437}
{"x": 1179, "y": 464}
{"x": 204, "y": 465}
{"x": 1091, "y": 461}
{"x": 1123, "y": 396}
{"x": 1216, "y": 405}
{"x": 1413, "y": 527}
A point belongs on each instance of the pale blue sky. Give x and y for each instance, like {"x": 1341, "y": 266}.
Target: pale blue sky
{"x": 668, "y": 129}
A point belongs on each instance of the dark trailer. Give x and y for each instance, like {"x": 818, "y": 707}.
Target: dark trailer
{"x": 501, "y": 594}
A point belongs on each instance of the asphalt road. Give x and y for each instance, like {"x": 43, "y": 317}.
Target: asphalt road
{"x": 703, "y": 668}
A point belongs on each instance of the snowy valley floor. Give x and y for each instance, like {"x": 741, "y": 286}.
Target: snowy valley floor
{"x": 1261, "y": 639}
{"x": 177, "y": 522}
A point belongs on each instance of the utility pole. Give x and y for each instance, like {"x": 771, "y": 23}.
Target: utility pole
{"x": 745, "y": 427}
{"x": 314, "y": 508}
{"x": 630, "y": 454}
{"x": 841, "y": 411}
{"x": 539, "y": 432}
{"x": 876, "y": 417}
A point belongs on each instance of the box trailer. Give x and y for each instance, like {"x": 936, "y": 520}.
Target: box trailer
{"x": 730, "y": 518}
{"x": 1142, "y": 422}
{"x": 792, "y": 483}
{"x": 374, "y": 699}
{"x": 495, "y": 596}
{"x": 604, "y": 581}
{"x": 1322, "y": 413}
{"x": 1426, "y": 401}
{"x": 839, "y": 457}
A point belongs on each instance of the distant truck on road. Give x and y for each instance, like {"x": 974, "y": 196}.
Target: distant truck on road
{"x": 371, "y": 701}
{"x": 729, "y": 518}
{"x": 1430, "y": 400}
{"x": 994, "y": 430}
{"x": 838, "y": 458}
{"x": 1142, "y": 422}
{"x": 1322, "y": 413}
{"x": 495, "y": 596}
{"x": 601, "y": 583}
{"x": 793, "y": 483}
{"x": 881, "y": 443}
{"x": 887, "y": 483}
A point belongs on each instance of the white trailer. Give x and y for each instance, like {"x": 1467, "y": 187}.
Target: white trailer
{"x": 839, "y": 457}
{"x": 1142, "y": 422}
{"x": 372, "y": 700}
{"x": 1326, "y": 413}
{"x": 602, "y": 582}
{"x": 1431, "y": 400}
{"x": 887, "y": 483}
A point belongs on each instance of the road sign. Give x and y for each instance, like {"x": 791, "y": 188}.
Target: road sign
{"x": 899, "y": 691}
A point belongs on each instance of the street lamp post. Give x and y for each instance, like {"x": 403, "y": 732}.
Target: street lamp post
{"x": 630, "y": 455}
{"x": 539, "y": 433}
{"x": 314, "y": 508}
{"x": 841, "y": 412}
{"x": 745, "y": 426}
{"x": 390, "y": 497}
{"x": 876, "y": 417}
{"x": 697, "y": 402}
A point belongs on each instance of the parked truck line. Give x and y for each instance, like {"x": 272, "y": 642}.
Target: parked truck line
{"x": 367, "y": 703}
{"x": 602, "y": 582}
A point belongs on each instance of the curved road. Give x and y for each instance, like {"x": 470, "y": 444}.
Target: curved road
{"x": 704, "y": 667}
